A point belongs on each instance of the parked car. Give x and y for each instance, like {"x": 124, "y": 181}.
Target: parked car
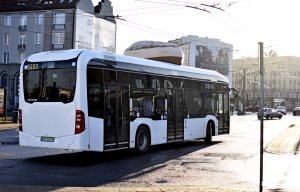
{"x": 251, "y": 108}
{"x": 269, "y": 113}
{"x": 256, "y": 108}
{"x": 281, "y": 109}
{"x": 296, "y": 111}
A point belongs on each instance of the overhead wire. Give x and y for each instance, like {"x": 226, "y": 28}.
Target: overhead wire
{"x": 179, "y": 5}
{"x": 147, "y": 29}
{"x": 156, "y": 2}
{"x": 150, "y": 12}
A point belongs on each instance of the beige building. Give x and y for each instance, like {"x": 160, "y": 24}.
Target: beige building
{"x": 281, "y": 80}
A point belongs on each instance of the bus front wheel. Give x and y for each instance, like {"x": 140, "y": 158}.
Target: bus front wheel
{"x": 208, "y": 138}
{"x": 142, "y": 140}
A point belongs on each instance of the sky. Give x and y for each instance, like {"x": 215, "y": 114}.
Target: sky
{"x": 243, "y": 23}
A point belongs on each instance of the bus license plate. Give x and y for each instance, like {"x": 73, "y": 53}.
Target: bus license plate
{"x": 47, "y": 139}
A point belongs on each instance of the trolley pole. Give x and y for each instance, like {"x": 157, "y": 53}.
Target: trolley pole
{"x": 261, "y": 71}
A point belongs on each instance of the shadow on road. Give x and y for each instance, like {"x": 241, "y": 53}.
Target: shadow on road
{"x": 83, "y": 159}
{"x": 90, "y": 169}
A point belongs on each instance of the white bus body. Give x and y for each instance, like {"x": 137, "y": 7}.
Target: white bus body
{"x": 73, "y": 119}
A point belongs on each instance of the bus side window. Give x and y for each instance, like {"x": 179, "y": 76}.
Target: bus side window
{"x": 159, "y": 103}
{"x": 148, "y": 107}
{"x": 95, "y": 92}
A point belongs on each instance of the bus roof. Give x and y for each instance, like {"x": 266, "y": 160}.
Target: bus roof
{"x": 130, "y": 63}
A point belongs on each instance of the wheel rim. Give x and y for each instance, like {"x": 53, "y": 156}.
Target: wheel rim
{"x": 141, "y": 140}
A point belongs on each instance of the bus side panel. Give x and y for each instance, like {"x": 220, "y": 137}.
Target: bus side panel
{"x": 158, "y": 130}
{"x": 215, "y": 120}
{"x": 81, "y": 141}
{"x": 194, "y": 128}
{"x": 96, "y": 134}
{"x": 132, "y": 131}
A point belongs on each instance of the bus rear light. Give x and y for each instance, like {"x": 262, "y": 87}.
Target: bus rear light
{"x": 80, "y": 123}
{"x": 20, "y": 120}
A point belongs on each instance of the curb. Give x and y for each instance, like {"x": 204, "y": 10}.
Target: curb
{"x": 286, "y": 142}
{"x": 9, "y": 141}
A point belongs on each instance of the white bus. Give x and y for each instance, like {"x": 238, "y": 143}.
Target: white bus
{"x": 97, "y": 101}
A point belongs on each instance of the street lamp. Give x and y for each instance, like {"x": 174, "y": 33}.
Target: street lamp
{"x": 243, "y": 80}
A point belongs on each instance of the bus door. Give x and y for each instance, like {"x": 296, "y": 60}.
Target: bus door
{"x": 175, "y": 115}
{"x": 223, "y": 113}
{"x": 116, "y": 116}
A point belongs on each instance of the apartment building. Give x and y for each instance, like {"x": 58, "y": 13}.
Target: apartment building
{"x": 31, "y": 26}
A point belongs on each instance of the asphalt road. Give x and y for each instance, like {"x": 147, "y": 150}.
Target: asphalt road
{"x": 231, "y": 162}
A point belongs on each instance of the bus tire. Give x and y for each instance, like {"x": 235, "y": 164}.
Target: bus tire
{"x": 142, "y": 140}
{"x": 208, "y": 138}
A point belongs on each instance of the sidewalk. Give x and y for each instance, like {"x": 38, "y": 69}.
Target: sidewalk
{"x": 119, "y": 189}
{"x": 24, "y": 188}
{"x": 8, "y": 125}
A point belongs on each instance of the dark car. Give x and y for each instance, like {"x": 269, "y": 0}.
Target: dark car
{"x": 296, "y": 111}
{"x": 253, "y": 108}
{"x": 269, "y": 113}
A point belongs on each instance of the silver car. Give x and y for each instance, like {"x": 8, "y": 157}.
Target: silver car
{"x": 269, "y": 113}
{"x": 281, "y": 109}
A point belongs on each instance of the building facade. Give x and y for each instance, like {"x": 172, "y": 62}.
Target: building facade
{"x": 281, "y": 80}
{"x": 206, "y": 53}
{"x": 28, "y": 27}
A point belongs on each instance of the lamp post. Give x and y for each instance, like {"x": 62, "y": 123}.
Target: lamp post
{"x": 243, "y": 82}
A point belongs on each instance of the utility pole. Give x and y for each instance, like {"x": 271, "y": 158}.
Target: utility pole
{"x": 261, "y": 71}
{"x": 244, "y": 87}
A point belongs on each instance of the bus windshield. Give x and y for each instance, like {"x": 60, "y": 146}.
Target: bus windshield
{"x": 49, "y": 81}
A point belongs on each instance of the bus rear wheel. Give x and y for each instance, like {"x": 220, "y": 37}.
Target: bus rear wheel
{"x": 142, "y": 140}
{"x": 208, "y": 138}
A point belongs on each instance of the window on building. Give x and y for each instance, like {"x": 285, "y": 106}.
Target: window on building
{"x": 4, "y": 80}
{"x": 23, "y": 20}
{"x": 18, "y": 85}
{"x": 22, "y": 39}
{"x": 6, "y": 38}
{"x": 38, "y": 38}
{"x": 39, "y": 19}
{"x": 59, "y": 18}
{"x": 58, "y": 38}
{"x": 7, "y": 20}
{"x": 21, "y": 57}
{"x": 6, "y": 57}
{"x": 48, "y": 2}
